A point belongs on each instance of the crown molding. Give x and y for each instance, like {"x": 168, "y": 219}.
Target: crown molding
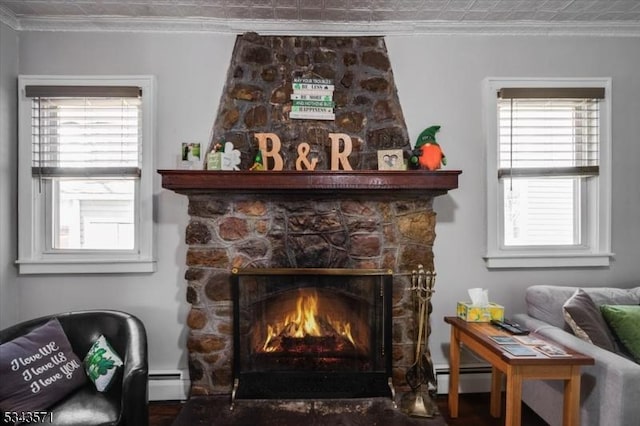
{"x": 7, "y": 17}
{"x": 533, "y": 28}
{"x": 347, "y": 28}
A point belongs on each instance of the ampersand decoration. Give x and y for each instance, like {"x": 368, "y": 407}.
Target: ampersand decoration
{"x": 303, "y": 163}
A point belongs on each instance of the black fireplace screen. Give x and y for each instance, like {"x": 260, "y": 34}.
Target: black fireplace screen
{"x": 302, "y": 333}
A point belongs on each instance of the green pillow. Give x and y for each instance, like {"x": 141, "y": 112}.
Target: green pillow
{"x": 101, "y": 364}
{"x": 624, "y": 320}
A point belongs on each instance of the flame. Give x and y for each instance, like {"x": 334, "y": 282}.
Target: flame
{"x": 270, "y": 335}
{"x": 306, "y": 321}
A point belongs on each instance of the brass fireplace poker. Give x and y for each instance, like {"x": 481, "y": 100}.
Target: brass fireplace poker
{"x": 420, "y": 376}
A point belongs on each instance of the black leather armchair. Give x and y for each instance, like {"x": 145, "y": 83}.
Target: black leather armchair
{"x": 126, "y": 401}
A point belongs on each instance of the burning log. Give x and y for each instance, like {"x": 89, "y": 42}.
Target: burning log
{"x": 330, "y": 341}
{"x": 310, "y": 343}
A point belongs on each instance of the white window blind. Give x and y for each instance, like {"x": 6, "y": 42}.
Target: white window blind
{"x": 92, "y": 131}
{"x": 549, "y": 131}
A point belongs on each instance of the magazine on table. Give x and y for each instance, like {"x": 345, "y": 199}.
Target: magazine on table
{"x": 552, "y": 351}
{"x": 530, "y": 340}
{"x": 503, "y": 340}
{"x": 520, "y": 350}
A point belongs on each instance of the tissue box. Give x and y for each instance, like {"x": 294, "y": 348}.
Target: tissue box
{"x": 468, "y": 312}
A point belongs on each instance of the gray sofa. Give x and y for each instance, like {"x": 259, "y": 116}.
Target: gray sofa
{"x": 610, "y": 389}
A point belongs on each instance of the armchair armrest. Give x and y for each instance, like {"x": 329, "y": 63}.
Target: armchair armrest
{"x": 135, "y": 395}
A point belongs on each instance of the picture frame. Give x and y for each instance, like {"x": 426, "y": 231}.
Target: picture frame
{"x": 190, "y": 151}
{"x": 390, "y": 159}
{"x": 189, "y": 158}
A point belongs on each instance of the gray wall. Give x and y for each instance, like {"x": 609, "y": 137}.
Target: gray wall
{"x": 9, "y": 290}
{"x": 442, "y": 85}
{"x": 439, "y": 80}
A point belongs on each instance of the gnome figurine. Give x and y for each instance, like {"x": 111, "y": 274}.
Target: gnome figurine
{"x": 427, "y": 153}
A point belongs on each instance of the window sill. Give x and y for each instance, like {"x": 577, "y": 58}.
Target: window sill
{"x": 79, "y": 266}
{"x": 560, "y": 260}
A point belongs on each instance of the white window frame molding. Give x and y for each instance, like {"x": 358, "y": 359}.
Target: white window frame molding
{"x": 597, "y": 250}
{"x": 33, "y": 257}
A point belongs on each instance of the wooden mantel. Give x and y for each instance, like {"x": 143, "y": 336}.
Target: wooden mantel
{"x": 310, "y": 183}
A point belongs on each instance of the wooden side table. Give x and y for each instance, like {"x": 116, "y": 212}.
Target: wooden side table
{"x": 475, "y": 336}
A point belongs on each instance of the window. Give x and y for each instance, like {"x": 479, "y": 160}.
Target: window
{"x": 85, "y": 174}
{"x": 548, "y": 173}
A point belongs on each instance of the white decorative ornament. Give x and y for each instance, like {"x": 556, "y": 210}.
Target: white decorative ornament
{"x": 230, "y": 157}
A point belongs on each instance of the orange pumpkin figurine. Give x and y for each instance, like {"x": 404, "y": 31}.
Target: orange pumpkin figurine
{"x": 427, "y": 153}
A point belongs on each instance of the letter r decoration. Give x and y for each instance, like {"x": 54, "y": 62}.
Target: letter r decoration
{"x": 338, "y": 157}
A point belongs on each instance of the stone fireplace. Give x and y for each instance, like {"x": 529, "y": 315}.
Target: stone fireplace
{"x": 239, "y": 221}
{"x": 348, "y": 219}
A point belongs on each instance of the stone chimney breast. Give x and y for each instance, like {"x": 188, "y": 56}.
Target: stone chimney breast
{"x": 257, "y": 97}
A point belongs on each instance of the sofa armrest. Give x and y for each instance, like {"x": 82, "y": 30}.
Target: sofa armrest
{"x": 611, "y": 386}
{"x": 567, "y": 339}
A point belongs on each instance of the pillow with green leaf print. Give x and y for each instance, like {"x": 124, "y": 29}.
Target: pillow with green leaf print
{"x": 101, "y": 364}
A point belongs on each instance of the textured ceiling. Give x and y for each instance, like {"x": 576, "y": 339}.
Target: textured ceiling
{"x": 25, "y": 13}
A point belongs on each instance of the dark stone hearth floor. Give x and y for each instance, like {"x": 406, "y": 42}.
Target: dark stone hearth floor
{"x": 214, "y": 411}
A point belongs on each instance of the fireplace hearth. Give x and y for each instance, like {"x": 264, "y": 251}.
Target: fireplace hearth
{"x": 312, "y": 333}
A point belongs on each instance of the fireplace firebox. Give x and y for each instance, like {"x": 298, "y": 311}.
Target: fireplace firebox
{"x": 312, "y": 333}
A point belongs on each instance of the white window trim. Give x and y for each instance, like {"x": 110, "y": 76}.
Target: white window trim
{"x": 32, "y": 258}
{"x": 598, "y": 252}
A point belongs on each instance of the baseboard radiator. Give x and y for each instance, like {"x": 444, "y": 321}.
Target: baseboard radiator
{"x": 473, "y": 378}
{"x": 169, "y": 385}
{"x": 174, "y": 385}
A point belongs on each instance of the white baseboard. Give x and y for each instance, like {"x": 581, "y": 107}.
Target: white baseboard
{"x": 174, "y": 385}
{"x": 169, "y": 385}
{"x": 473, "y": 378}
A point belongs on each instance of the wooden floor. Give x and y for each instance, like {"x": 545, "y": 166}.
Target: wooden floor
{"x": 473, "y": 410}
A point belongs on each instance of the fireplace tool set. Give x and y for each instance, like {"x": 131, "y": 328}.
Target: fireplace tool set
{"x": 420, "y": 376}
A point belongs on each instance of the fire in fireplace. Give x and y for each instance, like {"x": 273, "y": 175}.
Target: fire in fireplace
{"x": 307, "y": 321}
{"x": 303, "y": 333}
